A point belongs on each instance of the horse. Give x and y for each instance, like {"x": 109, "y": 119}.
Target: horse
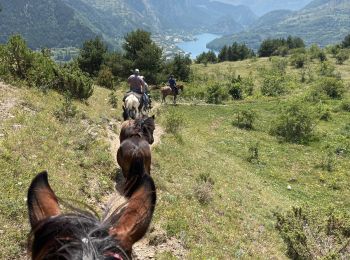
{"x": 132, "y": 106}
{"x": 144, "y": 126}
{"x": 80, "y": 234}
{"x": 135, "y": 151}
{"x": 167, "y": 91}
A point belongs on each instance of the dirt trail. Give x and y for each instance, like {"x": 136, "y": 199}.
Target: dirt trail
{"x": 156, "y": 240}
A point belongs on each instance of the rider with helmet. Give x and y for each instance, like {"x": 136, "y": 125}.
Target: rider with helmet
{"x": 172, "y": 84}
{"x": 138, "y": 86}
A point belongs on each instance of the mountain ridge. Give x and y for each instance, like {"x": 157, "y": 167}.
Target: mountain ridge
{"x": 65, "y": 23}
{"x": 322, "y": 22}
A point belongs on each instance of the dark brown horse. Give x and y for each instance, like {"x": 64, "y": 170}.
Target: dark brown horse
{"x": 167, "y": 91}
{"x": 134, "y": 152}
{"x": 80, "y": 234}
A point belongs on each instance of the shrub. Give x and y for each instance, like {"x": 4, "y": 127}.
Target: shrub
{"x": 71, "y": 79}
{"x": 314, "y": 51}
{"x": 18, "y": 57}
{"x": 345, "y": 105}
{"x": 273, "y": 83}
{"x": 68, "y": 110}
{"x": 42, "y": 72}
{"x": 245, "y": 119}
{"x": 327, "y": 69}
{"x": 295, "y": 124}
{"x": 253, "y": 153}
{"x": 332, "y": 87}
{"x": 322, "y": 56}
{"x": 235, "y": 90}
{"x": 105, "y": 78}
{"x": 342, "y": 56}
{"x": 174, "y": 122}
{"x": 216, "y": 94}
{"x": 309, "y": 236}
{"x": 113, "y": 100}
{"x": 298, "y": 60}
{"x": 248, "y": 85}
{"x": 204, "y": 189}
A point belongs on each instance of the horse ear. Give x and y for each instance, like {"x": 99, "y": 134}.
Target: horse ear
{"x": 136, "y": 217}
{"x": 42, "y": 201}
{"x": 154, "y": 117}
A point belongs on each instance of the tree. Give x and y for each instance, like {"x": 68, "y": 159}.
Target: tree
{"x": 91, "y": 56}
{"x": 150, "y": 61}
{"x": 346, "y": 42}
{"x": 223, "y": 55}
{"x": 181, "y": 67}
{"x": 19, "y": 57}
{"x": 134, "y": 42}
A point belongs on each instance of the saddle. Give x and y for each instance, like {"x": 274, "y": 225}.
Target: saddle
{"x": 129, "y": 93}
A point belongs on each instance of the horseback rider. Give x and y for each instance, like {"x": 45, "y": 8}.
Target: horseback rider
{"x": 146, "y": 95}
{"x": 172, "y": 84}
{"x": 138, "y": 86}
{"x": 136, "y": 82}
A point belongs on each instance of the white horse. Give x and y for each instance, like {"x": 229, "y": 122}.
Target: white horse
{"x": 131, "y": 107}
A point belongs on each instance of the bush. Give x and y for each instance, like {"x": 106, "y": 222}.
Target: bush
{"x": 235, "y": 89}
{"x": 216, "y": 94}
{"x": 345, "y": 106}
{"x": 245, "y": 119}
{"x": 322, "y": 56}
{"x": 332, "y": 87}
{"x": 253, "y": 153}
{"x": 342, "y": 56}
{"x": 71, "y": 79}
{"x": 273, "y": 83}
{"x": 68, "y": 110}
{"x": 295, "y": 124}
{"x": 311, "y": 236}
{"x": 174, "y": 122}
{"x": 298, "y": 60}
{"x": 327, "y": 69}
{"x": 105, "y": 78}
{"x": 113, "y": 100}
{"x": 18, "y": 57}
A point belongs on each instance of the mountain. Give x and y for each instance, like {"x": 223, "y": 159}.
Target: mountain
{"x": 49, "y": 23}
{"x": 63, "y": 23}
{"x": 175, "y": 14}
{"x": 261, "y": 7}
{"x": 322, "y": 21}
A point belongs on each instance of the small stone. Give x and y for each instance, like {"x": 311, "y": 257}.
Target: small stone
{"x": 289, "y": 187}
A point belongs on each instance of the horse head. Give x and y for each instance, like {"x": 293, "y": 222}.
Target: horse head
{"x": 147, "y": 126}
{"x": 81, "y": 235}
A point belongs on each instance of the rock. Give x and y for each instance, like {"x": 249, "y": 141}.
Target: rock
{"x": 289, "y": 187}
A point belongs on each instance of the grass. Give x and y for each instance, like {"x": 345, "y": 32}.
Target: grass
{"x": 75, "y": 153}
{"x": 210, "y": 196}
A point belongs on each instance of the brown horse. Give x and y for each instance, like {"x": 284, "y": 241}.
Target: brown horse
{"x": 80, "y": 234}
{"x": 134, "y": 152}
{"x": 143, "y": 126}
{"x": 167, "y": 91}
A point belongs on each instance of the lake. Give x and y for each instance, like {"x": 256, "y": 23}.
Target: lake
{"x": 199, "y": 45}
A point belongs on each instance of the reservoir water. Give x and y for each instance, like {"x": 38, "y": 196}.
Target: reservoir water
{"x": 197, "y": 46}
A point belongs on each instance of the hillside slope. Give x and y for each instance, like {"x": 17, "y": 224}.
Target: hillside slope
{"x": 49, "y": 23}
{"x": 322, "y": 21}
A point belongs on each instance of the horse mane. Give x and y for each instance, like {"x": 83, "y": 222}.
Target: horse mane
{"x": 81, "y": 236}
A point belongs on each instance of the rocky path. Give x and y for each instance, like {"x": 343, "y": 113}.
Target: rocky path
{"x": 156, "y": 240}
